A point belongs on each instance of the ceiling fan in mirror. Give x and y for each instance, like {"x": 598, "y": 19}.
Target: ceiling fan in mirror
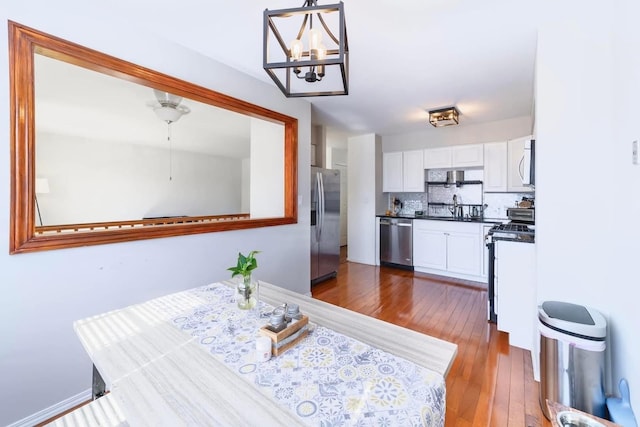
{"x": 169, "y": 109}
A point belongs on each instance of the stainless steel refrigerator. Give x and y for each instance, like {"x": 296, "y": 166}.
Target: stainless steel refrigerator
{"x": 325, "y": 223}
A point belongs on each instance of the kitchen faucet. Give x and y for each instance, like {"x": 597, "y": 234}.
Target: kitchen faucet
{"x": 454, "y": 209}
{"x": 457, "y": 207}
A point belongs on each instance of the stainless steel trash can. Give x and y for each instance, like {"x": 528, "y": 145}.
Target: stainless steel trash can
{"x": 572, "y": 357}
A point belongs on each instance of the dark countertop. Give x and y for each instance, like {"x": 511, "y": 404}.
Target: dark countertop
{"x": 445, "y": 218}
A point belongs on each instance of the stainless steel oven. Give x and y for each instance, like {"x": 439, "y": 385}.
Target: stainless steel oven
{"x": 520, "y": 228}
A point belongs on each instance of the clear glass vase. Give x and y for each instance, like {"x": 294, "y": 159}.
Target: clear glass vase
{"x": 247, "y": 297}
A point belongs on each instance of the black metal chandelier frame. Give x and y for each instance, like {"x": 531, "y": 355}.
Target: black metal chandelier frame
{"x": 309, "y": 67}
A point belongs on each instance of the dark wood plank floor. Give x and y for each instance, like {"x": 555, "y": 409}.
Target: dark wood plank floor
{"x": 490, "y": 383}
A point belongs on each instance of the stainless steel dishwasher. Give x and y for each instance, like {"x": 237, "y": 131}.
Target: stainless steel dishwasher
{"x": 396, "y": 242}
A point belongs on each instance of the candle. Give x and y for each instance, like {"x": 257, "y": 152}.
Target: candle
{"x": 263, "y": 349}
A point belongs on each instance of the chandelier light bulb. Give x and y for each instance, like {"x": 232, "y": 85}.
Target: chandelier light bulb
{"x": 315, "y": 38}
{"x": 321, "y": 52}
{"x": 296, "y": 49}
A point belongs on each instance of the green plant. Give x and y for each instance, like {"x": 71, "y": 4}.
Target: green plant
{"x": 246, "y": 264}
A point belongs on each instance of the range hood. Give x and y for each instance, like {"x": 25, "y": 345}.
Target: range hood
{"x": 454, "y": 177}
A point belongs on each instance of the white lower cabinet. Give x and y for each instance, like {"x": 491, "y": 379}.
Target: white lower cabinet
{"x": 516, "y": 292}
{"x": 429, "y": 246}
{"x": 449, "y": 248}
{"x": 463, "y": 255}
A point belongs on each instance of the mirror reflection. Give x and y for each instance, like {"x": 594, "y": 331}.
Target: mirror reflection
{"x": 111, "y": 150}
{"x": 107, "y": 151}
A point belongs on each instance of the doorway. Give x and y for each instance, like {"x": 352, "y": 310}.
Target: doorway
{"x": 339, "y": 162}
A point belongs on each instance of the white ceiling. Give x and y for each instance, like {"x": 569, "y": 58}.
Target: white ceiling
{"x": 406, "y": 57}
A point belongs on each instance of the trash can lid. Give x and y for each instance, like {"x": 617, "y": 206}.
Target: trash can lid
{"x": 573, "y": 319}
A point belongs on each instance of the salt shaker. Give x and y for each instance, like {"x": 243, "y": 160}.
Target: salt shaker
{"x": 277, "y": 322}
{"x": 293, "y": 313}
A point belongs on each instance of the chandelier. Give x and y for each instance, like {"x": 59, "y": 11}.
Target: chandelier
{"x": 315, "y": 61}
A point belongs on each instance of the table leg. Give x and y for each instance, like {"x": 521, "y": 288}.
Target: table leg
{"x": 98, "y": 386}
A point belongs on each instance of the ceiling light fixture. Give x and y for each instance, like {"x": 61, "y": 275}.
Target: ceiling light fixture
{"x": 444, "y": 117}
{"x": 306, "y": 66}
{"x": 169, "y": 110}
{"x": 168, "y": 107}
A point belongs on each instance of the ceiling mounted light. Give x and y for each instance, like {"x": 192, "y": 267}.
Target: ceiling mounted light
{"x": 315, "y": 62}
{"x": 444, "y": 117}
{"x": 168, "y": 107}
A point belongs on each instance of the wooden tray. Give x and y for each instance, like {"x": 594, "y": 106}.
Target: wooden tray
{"x": 288, "y": 337}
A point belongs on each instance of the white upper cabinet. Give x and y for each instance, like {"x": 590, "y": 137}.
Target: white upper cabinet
{"x": 413, "y": 171}
{"x": 392, "y": 172}
{"x": 515, "y": 151}
{"x": 495, "y": 167}
{"x": 503, "y": 166}
{"x": 437, "y": 158}
{"x": 463, "y": 156}
{"x": 457, "y": 156}
{"x": 403, "y": 171}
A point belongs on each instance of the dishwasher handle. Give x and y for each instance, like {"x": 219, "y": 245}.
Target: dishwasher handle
{"x": 396, "y": 222}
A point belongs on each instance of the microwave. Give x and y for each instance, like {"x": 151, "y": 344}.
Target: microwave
{"x": 529, "y": 163}
{"x": 522, "y": 215}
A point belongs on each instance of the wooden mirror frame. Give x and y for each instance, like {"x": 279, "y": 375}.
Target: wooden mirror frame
{"x": 25, "y": 236}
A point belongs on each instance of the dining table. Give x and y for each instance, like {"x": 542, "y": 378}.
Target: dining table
{"x": 189, "y": 359}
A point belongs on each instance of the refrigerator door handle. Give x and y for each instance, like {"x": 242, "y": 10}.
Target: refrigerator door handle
{"x": 320, "y": 205}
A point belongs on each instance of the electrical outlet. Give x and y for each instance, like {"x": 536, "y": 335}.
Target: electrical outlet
{"x": 634, "y": 152}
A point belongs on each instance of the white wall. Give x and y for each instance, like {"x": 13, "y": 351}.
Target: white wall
{"x": 587, "y": 115}
{"x": 334, "y": 139}
{"x": 626, "y": 75}
{"x": 245, "y": 204}
{"x": 267, "y": 168}
{"x": 431, "y": 137}
{"x": 365, "y": 193}
{"x": 41, "y": 360}
{"x": 93, "y": 181}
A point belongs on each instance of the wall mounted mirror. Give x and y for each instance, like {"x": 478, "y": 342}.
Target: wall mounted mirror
{"x": 106, "y": 151}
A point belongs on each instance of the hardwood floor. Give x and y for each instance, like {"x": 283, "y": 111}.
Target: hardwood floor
{"x": 490, "y": 383}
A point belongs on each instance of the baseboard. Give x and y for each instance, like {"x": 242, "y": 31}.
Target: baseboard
{"x": 479, "y": 280}
{"x": 53, "y": 410}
